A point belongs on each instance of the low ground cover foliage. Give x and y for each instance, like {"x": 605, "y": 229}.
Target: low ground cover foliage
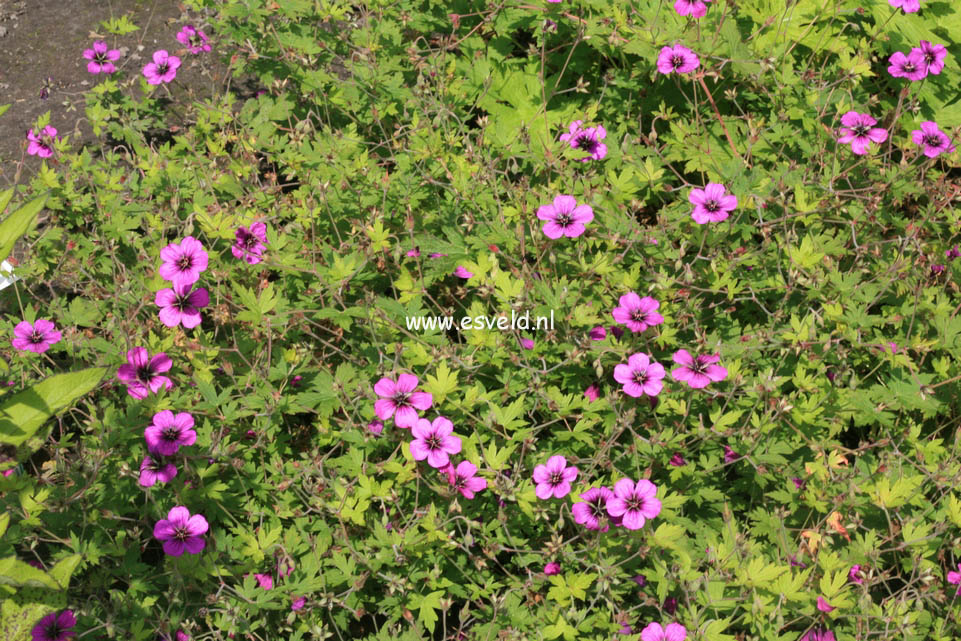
{"x": 741, "y": 218}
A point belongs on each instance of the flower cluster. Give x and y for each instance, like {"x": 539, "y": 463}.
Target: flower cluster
{"x": 182, "y": 264}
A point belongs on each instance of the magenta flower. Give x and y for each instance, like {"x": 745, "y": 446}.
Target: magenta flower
{"x": 711, "y": 204}
{"x": 400, "y": 400}
{"x": 180, "y": 306}
{"x": 955, "y": 579}
{"x": 593, "y": 508}
{"x": 434, "y": 441}
{"x": 180, "y": 531}
{"x": 933, "y": 56}
{"x": 163, "y": 69}
{"x": 677, "y": 58}
{"x": 671, "y": 632}
{"x": 934, "y": 140}
{"x": 677, "y": 460}
{"x": 552, "y": 568}
{"x": 908, "y": 6}
{"x": 911, "y": 66}
{"x": 36, "y": 337}
{"x": 463, "y": 479}
{"x": 730, "y": 455}
{"x": 375, "y": 427}
{"x": 194, "y": 39}
{"x": 436, "y": 255}
{"x": 697, "y": 373}
{"x": 564, "y": 217}
{"x": 937, "y": 269}
{"x": 693, "y": 8}
{"x": 526, "y": 343}
{"x": 461, "y": 272}
{"x": 183, "y": 263}
{"x": 634, "y": 502}
{"x": 41, "y": 144}
{"x": 636, "y": 312}
{"x": 413, "y": 253}
{"x": 859, "y": 130}
{"x": 169, "y": 432}
{"x": 597, "y": 334}
{"x": 101, "y": 58}
{"x": 670, "y": 605}
{"x": 571, "y": 136}
{"x": 823, "y": 605}
{"x": 817, "y": 634}
{"x": 798, "y": 482}
{"x": 640, "y": 580}
{"x": 854, "y": 574}
{"x": 55, "y": 627}
{"x": 587, "y": 139}
{"x": 265, "y": 580}
{"x": 152, "y": 470}
{"x": 554, "y": 478}
{"x": 640, "y": 376}
{"x": 250, "y": 243}
{"x": 952, "y": 253}
{"x": 142, "y": 373}
{"x": 297, "y": 603}
{"x": 593, "y": 392}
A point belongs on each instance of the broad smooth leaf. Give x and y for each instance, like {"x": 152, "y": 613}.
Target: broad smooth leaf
{"x": 26, "y": 412}
{"x": 16, "y": 572}
{"x": 19, "y": 223}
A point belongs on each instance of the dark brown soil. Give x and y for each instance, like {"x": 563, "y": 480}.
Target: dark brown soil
{"x": 42, "y": 67}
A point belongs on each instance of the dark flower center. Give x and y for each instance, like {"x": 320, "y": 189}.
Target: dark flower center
{"x": 100, "y": 57}
{"x": 144, "y": 374}
{"x": 929, "y": 57}
{"x": 401, "y": 399}
{"x": 712, "y": 205}
{"x": 557, "y": 478}
{"x": 162, "y": 68}
{"x": 640, "y": 378}
{"x": 587, "y": 143}
{"x": 635, "y": 503}
{"x": 181, "y": 534}
{"x": 37, "y": 337}
{"x": 460, "y": 482}
{"x": 170, "y": 434}
{"x": 250, "y": 241}
{"x": 185, "y": 262}
{"x": 638, "y": 316}
{"x": 933, "y": 140}
{"x": 677, "y": 61}
{"x": 433, "y": 442}
{"x": 182, "y": 302}
{"x": 698, "y": 367}
{"x": 598, "y": 507}
{"x": 908, "y": 66}
{"x": 563, "y": 220}
{"x": 53, "y": 630}
{"x": 860, "y": 131}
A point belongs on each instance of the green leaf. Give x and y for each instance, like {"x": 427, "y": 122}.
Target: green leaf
{"x": 16, "y": 622}
{"x": 18, "y": 223}
{"x": 3, "y": 109}
{"x": 5, "y": 196}
{"x": 442, "y": 384}
{"x": 64, "y": 569}
{"x": 427, "y": 605}
{"x": 16, "y": 572}
{"x": 26, "y": 412}
{"x": 4, "y": 522}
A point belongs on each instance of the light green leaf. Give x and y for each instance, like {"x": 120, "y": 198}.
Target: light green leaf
{"x": 18, "y": 223}
{"x": 26, "y": 412}
{"x": 64, "y": 569}
{"x": 16, "y": 572}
